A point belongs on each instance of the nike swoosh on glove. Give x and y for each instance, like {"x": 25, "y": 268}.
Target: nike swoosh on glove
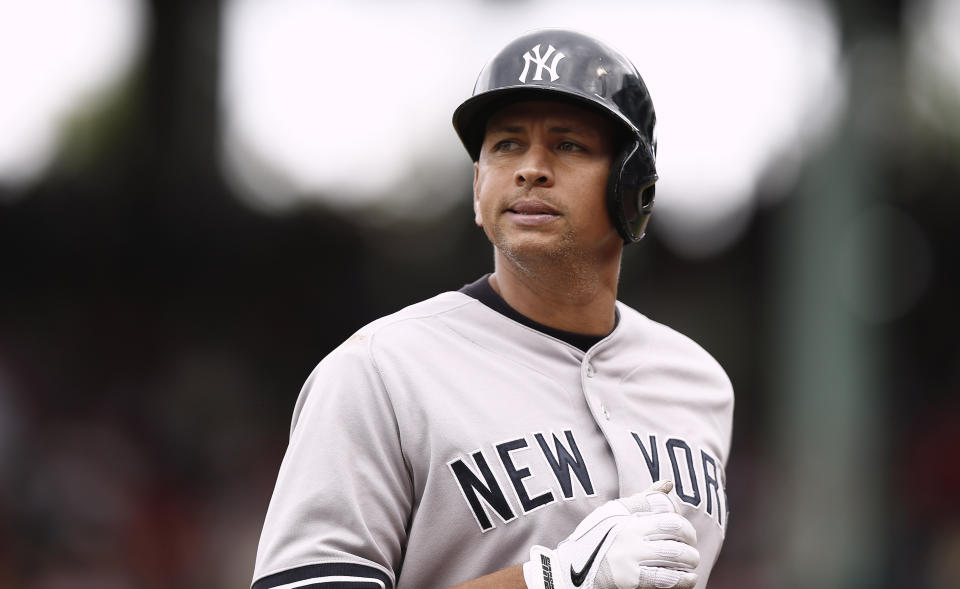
{"x": 636, "y": 542}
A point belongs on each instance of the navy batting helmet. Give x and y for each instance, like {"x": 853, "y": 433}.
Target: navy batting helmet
{"x": 563, "y": 65}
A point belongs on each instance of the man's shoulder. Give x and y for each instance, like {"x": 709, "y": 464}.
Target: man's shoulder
{"x": 661, "y": 339}
{"x": 404, "y": 334}
{"x": 409, "y": 326}
{"x": 416, "y": 316}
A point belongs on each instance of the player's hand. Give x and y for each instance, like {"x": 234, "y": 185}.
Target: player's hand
{"x": 637, "y": 542}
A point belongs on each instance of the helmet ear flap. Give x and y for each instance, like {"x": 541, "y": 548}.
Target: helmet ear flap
{"x": 630, "y": 192}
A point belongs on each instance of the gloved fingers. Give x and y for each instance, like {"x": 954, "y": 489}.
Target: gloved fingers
{"x": 661, "y": 578}
{"x": 670, "y": 553}
{"x": 654, "y": 499}
{"x": 657, "y": 526}
{"x": 671, "y": 526}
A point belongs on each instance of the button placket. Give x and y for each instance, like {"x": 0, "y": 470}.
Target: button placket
{"x": 590, "y": 372}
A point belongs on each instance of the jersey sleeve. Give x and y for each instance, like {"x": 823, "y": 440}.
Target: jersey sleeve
{"x": 339, "y": 511}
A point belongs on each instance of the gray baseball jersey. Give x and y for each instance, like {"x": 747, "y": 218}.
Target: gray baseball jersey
{"x": 439, "y": 443}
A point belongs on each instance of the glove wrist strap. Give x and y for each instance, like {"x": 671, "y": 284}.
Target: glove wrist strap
{"x": 538, "y": 571}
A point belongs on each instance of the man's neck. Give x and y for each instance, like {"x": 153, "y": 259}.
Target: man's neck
{"x": 579, "y": 300}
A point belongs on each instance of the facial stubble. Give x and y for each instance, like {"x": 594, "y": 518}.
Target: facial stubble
{"x": 562, "y": 261}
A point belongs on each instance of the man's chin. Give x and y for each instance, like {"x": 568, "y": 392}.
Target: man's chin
{"x": 531, "y": 247}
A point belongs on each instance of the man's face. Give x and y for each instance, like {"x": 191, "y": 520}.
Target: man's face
{"x": 540, "y": 183}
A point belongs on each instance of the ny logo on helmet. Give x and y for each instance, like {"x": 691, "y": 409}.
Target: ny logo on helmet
{"x": 541, "y": 62}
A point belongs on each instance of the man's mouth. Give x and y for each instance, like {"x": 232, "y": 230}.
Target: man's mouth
{"x": 531, "y": 213}
{"x": 532, "y": 207}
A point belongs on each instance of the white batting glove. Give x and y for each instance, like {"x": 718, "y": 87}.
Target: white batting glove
{"x": 637, "y": 542}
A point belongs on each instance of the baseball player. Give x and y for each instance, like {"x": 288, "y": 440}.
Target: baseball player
{"x": 528, "y": 431}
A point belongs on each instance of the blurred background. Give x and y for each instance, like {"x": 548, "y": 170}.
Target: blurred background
{"x": 200, "y": 199}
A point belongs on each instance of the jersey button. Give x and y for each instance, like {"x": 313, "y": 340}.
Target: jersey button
{"x": 606, "y": 413}
{"x": 590, "y": 371}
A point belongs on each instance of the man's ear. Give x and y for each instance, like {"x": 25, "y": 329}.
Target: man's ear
{"x": 477, "y": 216}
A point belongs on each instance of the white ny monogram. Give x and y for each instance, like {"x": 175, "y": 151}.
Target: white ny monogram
{"x": 541, "y": 62}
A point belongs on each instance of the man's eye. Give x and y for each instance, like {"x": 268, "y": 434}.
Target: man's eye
{"x": 569, "y": 146}
{"x": 505, "y": 145}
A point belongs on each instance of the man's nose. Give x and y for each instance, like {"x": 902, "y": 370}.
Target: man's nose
{"x": 535, "y": 169}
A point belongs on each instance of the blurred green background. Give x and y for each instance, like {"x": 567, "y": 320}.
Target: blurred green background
{"x": 168, "y": 278}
